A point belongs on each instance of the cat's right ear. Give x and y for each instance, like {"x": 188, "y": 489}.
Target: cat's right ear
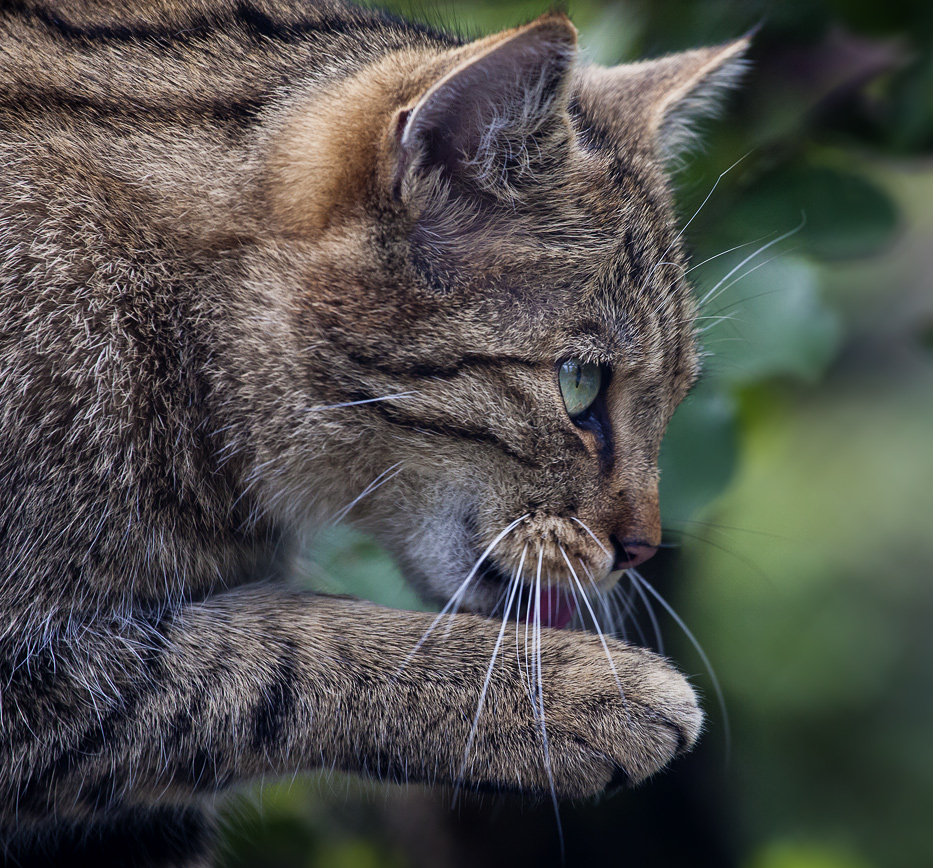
{"x": 503, "y": 94}
{"x": 651, "y": 106}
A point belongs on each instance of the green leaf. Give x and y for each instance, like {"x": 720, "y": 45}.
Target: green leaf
{"x": 843, "y": 214}
{"x": 344, "y": 561}
{"x": 785, "y": 854}
{"x": 698, "y": 452}
{"x": 766, "y": 320}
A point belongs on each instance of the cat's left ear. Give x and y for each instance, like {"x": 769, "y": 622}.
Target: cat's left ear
{"x": 653, "y": 105}
{"x": 499, "y": 100}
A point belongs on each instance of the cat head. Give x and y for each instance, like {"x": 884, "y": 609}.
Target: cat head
{"x": 487, "y": 288}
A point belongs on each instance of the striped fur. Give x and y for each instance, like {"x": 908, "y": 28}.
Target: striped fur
{"x": 255, "y": 256}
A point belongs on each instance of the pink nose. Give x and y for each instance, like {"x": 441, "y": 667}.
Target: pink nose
{"x": 631, "y": 554}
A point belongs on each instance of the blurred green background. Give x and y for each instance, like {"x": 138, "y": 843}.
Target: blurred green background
{"x": 797, "y": 482}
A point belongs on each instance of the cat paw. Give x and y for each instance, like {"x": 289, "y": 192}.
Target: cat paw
{"x": 611, "y": 723}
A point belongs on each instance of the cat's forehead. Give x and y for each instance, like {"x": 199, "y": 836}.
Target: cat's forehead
{"x": 587, "y": 265}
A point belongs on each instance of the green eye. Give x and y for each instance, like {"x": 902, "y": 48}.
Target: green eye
{"x": 579, "y": 385}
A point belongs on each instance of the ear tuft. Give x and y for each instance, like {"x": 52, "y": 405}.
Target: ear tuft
{"x": 711, "y": 75}
{"x": 654, "y": 105}
{"x": 479, "y": 121}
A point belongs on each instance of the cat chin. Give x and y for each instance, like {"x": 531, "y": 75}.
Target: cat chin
{"x": 442, "y": 563}
{"x": 491, "y": 593}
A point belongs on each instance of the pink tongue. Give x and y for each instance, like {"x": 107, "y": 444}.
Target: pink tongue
{"x": 557, "y": 608}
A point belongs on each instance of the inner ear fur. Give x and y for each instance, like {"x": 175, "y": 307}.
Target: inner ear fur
{"x": 477, "y": 120}
{"x": 653, "y": 105}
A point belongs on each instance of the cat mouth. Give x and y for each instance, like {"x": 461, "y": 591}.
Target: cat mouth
{"x": 536, "y": 603}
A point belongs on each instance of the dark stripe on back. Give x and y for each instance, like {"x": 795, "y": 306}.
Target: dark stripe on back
{"x": 236, "y": 111}
{"x": 241, "y": 20}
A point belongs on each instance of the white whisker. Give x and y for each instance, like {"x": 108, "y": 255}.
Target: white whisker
{"x": 695, "y": 213}
{"x": 718, "y": 317}
{"x": 380, "y": 480}
{"x": 711, "y": 294}
{"x": 522, "y": 672}
{"x": 514, "y": 585}
{"x": 320, "y": 407}
{"x": 723, "y": 253}
{"x": 639, "y": 579}
{"x": 717, "y": 320}
{"x": 649, "y": 609}
{"x": 599, "y": 631}
{"x": 528, "y": 624}
{"x": 576, "y": 605}
{"x": 633, "y": 614}
{"x": 621, "y": 605}
{"x": 458, "y": 594}
{"x": 482, "y": 558}
{"x": 603, "y": 599}
{"x": 593, "y": 535}
{"x": 540, "y": 691}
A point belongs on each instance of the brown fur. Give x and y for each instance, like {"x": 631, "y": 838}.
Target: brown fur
{"x": 254, "y": 257}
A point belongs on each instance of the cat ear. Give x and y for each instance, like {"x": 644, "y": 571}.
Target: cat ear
{"x": 654, "y": 104}
{"x": 482, "y": 115}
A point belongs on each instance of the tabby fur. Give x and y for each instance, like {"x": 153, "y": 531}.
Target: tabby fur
{"x": 256, "y": 260}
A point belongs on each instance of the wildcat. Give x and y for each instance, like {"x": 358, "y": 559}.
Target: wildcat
{"x": 269, "y": 262}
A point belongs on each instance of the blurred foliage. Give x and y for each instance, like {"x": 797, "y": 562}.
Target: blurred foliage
{"x": 798, "y": 478}
{"x": 794, "y": 855}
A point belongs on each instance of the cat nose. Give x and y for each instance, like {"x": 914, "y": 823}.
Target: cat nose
{"x": 631, "y": 553}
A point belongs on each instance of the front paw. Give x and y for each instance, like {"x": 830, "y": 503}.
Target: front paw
{"x": 610, "y": 718}
{"x": 487, "y": 708}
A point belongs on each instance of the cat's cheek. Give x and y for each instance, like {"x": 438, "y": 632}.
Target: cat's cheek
{"x": 435, "y": 549}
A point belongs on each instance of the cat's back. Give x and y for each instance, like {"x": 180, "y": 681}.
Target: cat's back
{"x": 164, "y": 99}
{"x": 139, "y": 64}
{"x": 131, "y": 147}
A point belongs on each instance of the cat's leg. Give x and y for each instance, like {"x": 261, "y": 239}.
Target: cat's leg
{"x": 264, "y": 681}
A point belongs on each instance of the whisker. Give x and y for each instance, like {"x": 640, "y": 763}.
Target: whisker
{"x": 745, "y": 299}
{"x": 593, "y": 535}
{"x": 529, "y": 622}
{"x": 620, "y": 614}
{"x": 380, "y": 480}
{"x": 482, "y": 558}
{"x": 458, "y": 594}
{"x": 578, "y": 617}
{"x": 723, "y": 318}
{"x": 514, "y": 585}
{"x": 655, "y": 626}
{"x": 711, "y": 294}
{"x": 695, "y": 213}
{"x": 500, "y": 600}
{"x": 603, "y": 601}
{"x": 717, "y": 320}
{"x": 540, "y": 691}
{"x": 628, "y": 614}
{"x": 522, "y": 673}
{"x": 599, "y": 631}
{"x": 742, "y": 559}
{"x": 715, "y": 525}
{"x": 639, "y": 579}
{"x": 321, "y": 407}
{"x": 724, "y": 253}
